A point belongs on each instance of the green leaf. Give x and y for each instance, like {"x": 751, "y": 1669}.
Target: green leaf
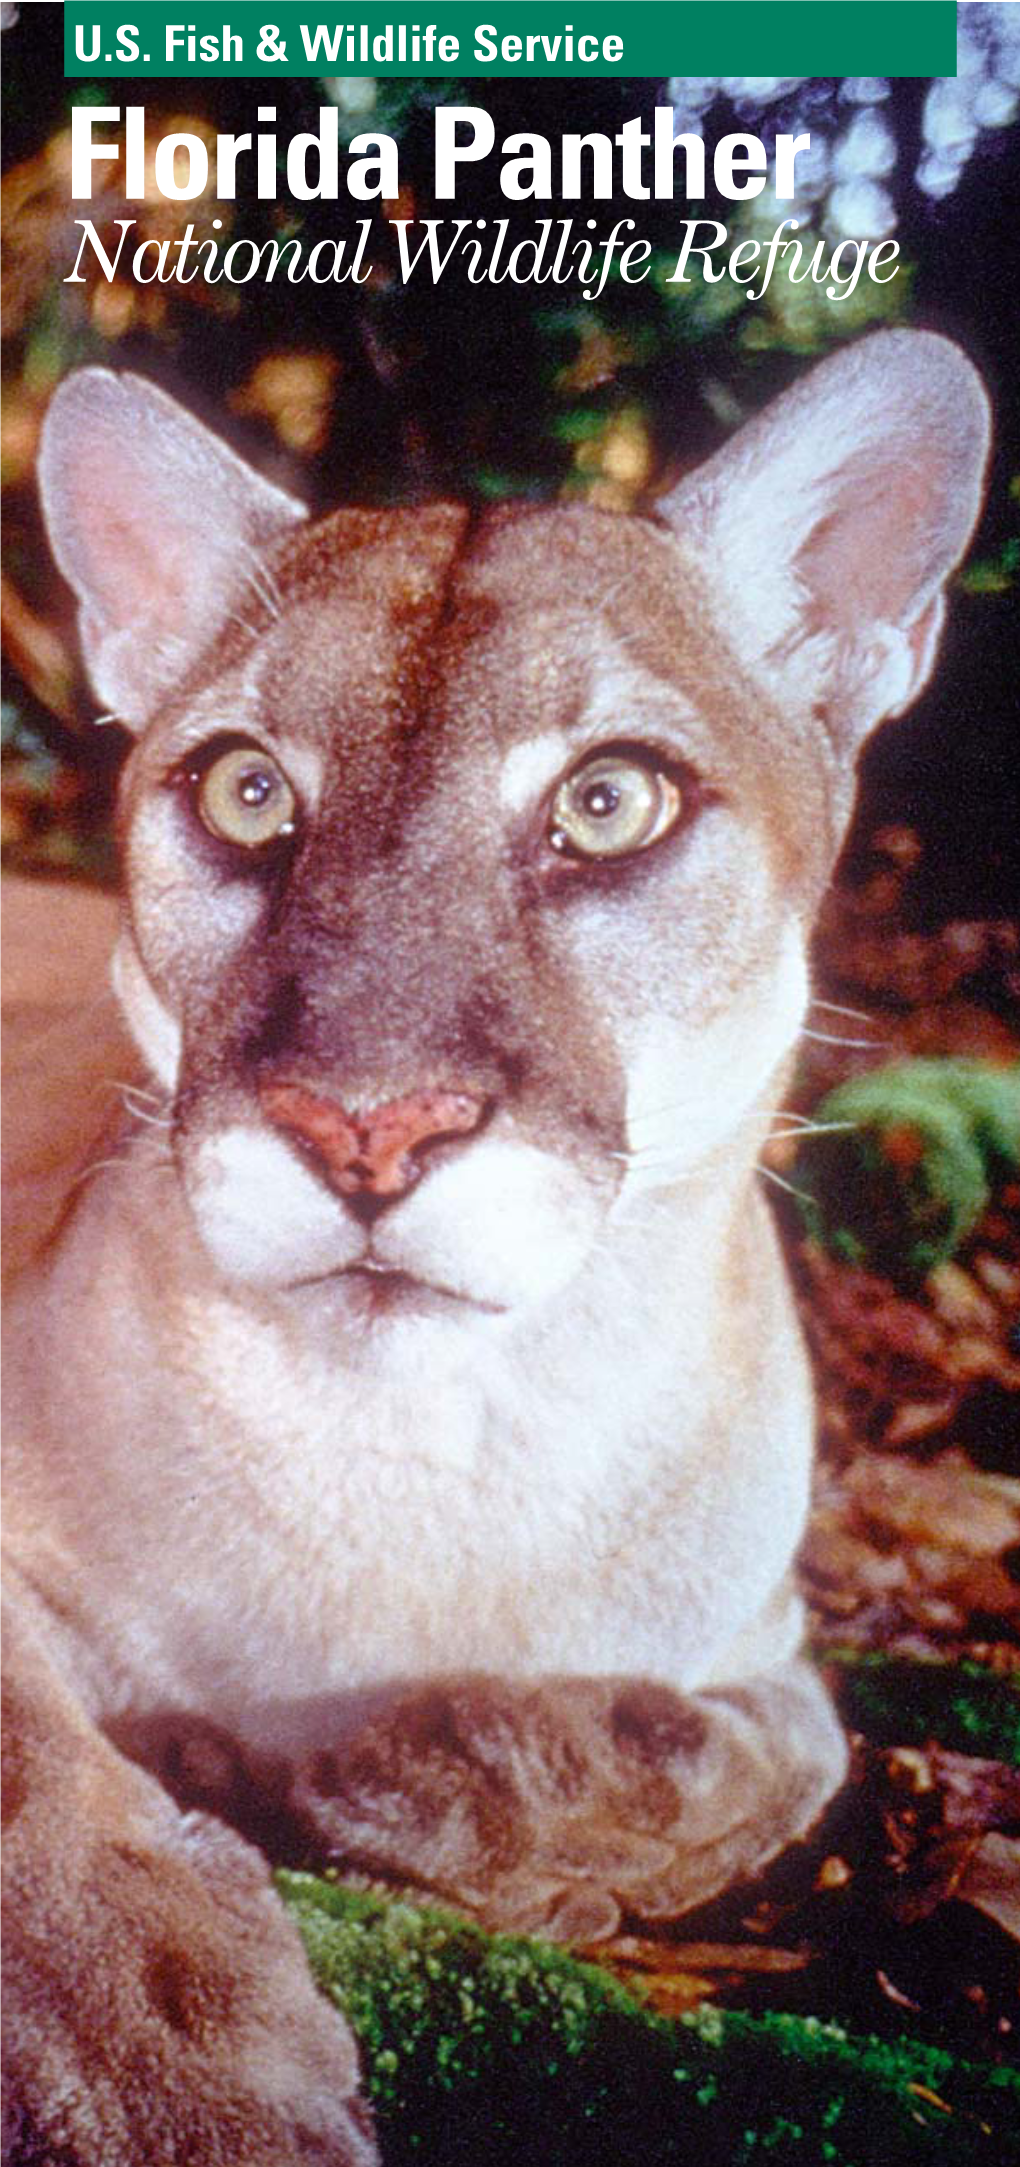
{"x": 907, "y": 1168}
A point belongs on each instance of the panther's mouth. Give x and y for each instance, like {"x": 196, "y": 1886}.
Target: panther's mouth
{"x": 376, "y": 1289}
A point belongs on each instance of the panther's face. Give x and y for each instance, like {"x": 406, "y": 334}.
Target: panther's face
{"x": 471, "y": 862}
{"x": 459, "y": 917}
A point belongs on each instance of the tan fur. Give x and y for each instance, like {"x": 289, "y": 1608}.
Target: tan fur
{"x": 450, "y": 1492}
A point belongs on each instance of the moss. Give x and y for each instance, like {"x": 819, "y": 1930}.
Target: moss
{"x": 490, "y": 2049}
{"x": 905, "y": 1171}
{"x": 897, "y": 1701}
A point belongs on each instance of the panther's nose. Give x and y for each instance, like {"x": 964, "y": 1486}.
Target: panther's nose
{"x": 369, "y": 1154}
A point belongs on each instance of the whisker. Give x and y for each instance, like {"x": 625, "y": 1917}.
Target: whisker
{"x": 139, "y": 1091}
{"x": 811, "y": 1128}
{"x": 264, "y": 593}
{"x": 263, "y": 582}
{"x": 826, "y": 1038}
{"x": 645, "y": 1160}
{"x": 646, "y": 1163}
{"x": 666, "y": 1175}
{"x": 769, "y": 1174}
{"x": 767, "y": 1115}
{"x": 836, "y": 1008}
{"x": 235, "y": 618}
{"x": 132, "y": 1099}
{"x": 100, "y": 1166}
{"x": 126, "y": 1162}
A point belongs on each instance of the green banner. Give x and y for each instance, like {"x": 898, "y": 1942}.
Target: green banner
{"x": 499, "y": 37}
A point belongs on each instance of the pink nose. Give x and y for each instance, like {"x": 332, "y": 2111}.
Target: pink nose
{"x": 369, "y": 1154}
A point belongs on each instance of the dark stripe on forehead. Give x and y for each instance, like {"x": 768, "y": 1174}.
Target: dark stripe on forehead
{"x": 420, "y": 539}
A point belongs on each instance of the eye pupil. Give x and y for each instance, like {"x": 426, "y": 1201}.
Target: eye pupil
{"x": 256, "y": 787}
{"x": 600, "y": 800}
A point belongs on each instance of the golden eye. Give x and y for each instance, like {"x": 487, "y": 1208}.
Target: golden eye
{"x": 245, "y": 799}
{"x": 611, "y": 805}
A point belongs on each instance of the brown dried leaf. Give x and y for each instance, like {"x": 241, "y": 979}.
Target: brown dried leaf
{"x": 991, "y": 1881}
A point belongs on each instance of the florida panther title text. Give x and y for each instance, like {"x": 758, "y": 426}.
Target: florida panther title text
{"x": 640, "y": 163}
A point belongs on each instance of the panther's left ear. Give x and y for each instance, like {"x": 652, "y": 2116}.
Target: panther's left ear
{"x": 159, "y": 528}
{"x": 830, "y": 524}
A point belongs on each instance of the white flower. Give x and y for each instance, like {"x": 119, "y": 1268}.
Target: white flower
{"x": 938, "y": 177}
{"x": 994, "y": 31}
{"x": 867, "y": 150}
{"x": 995, "y": 105}
{"x": 352, "y": 93}
{"x": 958, "y": 112}
{"x": 813, "y": 170}
{"x": 863, "y": 89}
{"x": 755, "y": 90}
{"x": 860, "y": 210}
{"x": 948, "y": 119}
{"x": 693, "y": 92}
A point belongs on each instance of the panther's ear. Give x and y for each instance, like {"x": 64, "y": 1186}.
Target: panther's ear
{"x": 830, "y": 524}
{"x": 157, "y": 526}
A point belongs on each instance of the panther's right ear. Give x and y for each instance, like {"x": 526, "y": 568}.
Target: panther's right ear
{"x": 157, "y": 526}
{"x": 829, "y": 526}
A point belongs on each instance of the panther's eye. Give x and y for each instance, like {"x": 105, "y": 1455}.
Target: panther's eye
{"x": 614, "y": 803}
{"x": 245, "y": 798}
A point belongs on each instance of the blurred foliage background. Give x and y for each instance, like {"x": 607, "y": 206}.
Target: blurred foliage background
{"x": 387, "y": 391}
